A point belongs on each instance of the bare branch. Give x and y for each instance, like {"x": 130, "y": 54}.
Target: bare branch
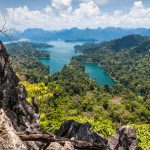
{"x": 6, "y": 31}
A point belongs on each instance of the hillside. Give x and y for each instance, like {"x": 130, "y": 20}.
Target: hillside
{"x": 126, "y": 59}
{"x": 25, "y": 57}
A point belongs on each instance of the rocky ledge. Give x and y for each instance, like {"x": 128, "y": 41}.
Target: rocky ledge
{"x": 19, "y": 122}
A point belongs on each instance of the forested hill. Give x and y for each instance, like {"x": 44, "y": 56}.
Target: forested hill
{"x": 126, "y": 59}
{"x": 130, "y": 41}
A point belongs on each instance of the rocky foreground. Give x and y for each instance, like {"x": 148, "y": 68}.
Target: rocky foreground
{"x": 19, "y": 122}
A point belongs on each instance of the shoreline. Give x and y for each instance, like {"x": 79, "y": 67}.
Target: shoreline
{"x": 98, "y": 64}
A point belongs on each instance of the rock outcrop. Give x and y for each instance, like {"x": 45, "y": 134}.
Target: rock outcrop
{"x": 8, "y": 139}
{"x": 13, "y": 97}
{"x": 23, "y": 115}
{"x": 78, "y": 131}
{"x": 125, "y": 139}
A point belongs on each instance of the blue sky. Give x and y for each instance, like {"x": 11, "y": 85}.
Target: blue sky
{"x": 39, "y": 4}
{"x": 60, "y": 14}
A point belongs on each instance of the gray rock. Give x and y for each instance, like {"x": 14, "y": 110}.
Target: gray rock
{"x": 23, "y": 115}
{"x": 13, "y": 97}
{"x": 124, "y": 140}
{"x": 77, "y": 131}
{"x": 55, "y": 146}
{"x": 8, "y": 139}
{"x": 68, "y": 146}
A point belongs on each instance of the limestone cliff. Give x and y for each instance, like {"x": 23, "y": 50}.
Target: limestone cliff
{"x": 13, "y": 97}
{"x": 23, "y": 115}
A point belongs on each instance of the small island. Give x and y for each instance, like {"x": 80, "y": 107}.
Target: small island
{"x": 38, "y": 45}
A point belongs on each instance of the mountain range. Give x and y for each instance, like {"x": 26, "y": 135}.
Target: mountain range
{"x": 75, "y": 34}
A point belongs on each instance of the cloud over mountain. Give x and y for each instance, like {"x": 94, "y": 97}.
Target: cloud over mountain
{"x": 60, "y": 14}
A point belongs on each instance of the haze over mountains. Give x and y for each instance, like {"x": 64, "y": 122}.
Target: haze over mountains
{"x": 76, "y": 34}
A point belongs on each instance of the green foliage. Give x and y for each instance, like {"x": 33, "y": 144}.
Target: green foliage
{"x": 143, "y": 136}
{"x": 58, "y": 101}
{"x": 25, "y": 60}
{"x": 40, "y": 90}
{"x": 126, "y": 59}
{"x": 74, "y": 79}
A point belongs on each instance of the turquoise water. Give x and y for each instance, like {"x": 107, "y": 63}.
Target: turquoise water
{"x": 61, "y": 55}
{"x": 97, "y": 73}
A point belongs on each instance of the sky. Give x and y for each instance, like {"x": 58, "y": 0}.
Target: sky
{"x": 64, "y": 14}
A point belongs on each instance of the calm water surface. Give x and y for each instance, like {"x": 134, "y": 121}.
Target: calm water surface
{"x": 97, "y": 73}
{"x": 61, "y": 55}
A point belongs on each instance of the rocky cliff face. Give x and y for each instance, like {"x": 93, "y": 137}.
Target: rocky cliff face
{"x": 23, "y": 115}
{"x": 17, "y": 115}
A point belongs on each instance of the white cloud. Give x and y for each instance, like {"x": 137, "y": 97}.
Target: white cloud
{"x": 62, "y": 6}
{"x": 60, "y": 14}
{"x": 99, "y": 2}
{"x": 59, "y": 4}
{"x": 87, "y": 9}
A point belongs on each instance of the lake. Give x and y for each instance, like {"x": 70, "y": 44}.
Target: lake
{"x": 61, "y": 55}
{"x": 96, "y": 72}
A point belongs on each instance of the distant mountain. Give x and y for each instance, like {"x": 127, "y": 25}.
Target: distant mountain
{"x": 75, "y": 34}
{"x": 127, "y": 42}
{"x": 35, "y": 34}
{"x": 133, "y": 43}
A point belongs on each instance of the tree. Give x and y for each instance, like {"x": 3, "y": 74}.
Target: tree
{"x": 6, "y": 31}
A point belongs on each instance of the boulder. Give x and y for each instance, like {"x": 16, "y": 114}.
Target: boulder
{"x": 78, "y": 131}
{"x": 124, "y": 140}
{"x": 55, "y": 146}
{"x": 68, "y": 146}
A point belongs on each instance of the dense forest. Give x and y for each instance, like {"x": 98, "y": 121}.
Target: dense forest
{"x": 126, "y": 59}
{"x": 72, "y": 94}
{"x": 25, "y": 57}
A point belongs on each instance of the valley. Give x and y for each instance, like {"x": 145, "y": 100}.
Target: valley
{"x": 70, "y": 91}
